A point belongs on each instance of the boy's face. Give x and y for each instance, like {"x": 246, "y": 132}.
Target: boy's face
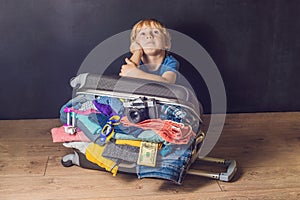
{"x": 151, "y": 39}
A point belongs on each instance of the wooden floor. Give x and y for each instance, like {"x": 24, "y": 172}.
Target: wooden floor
{"x": 266, "y": 147}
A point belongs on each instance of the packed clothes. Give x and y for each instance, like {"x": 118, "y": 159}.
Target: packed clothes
{"x": 100, "y": 129}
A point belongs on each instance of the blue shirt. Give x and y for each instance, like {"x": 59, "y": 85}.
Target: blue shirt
{"x": 169, "y": 64}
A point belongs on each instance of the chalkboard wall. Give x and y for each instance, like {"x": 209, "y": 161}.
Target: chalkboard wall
{"x": 254, "y": 43}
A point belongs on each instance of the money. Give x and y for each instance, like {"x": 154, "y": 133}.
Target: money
{"x": 147, "y": 154}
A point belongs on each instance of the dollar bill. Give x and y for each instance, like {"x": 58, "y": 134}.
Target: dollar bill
{"x": 147, "y": 154}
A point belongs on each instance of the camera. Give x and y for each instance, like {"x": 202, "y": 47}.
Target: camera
{"x": 140, "y": 109}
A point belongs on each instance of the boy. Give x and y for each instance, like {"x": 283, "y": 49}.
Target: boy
{"x": 150, "y": 42}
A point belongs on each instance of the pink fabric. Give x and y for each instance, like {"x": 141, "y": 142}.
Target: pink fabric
{"x": 59, "y": 135}
{"x": 170, "y": 131}
{"x": 81, "y": 112}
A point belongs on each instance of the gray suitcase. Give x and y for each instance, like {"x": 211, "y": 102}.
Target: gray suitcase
{"x": 136, "y": 92}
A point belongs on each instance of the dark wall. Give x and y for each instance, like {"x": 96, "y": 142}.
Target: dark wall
{"x": 255, "y": 44}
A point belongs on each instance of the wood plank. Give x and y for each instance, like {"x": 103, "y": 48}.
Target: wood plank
{"x": 253, "y": 141}
{"x": 259, "y": 151}
{"x": 259, "y": 178}
{"x": 23, "y": 166}
{"x": 92, "y": 188}
{"x": 21, "y": 131}
{"x": 55, "y": 168}
{"x": 277, "y": 123}
{"x": 30, "y": 149}
{"x": 265, "y": 145}
{"x": 247, "y": 159}
{"x": 274, "y": 194}
{"x": 54, "y": 164}
{"x": 30, "y": 123}
{"x": 79, "y": 187}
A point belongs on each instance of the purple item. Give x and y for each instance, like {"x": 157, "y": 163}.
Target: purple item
{"x": 104, "y": 108}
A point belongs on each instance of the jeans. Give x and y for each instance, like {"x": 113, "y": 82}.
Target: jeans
{"x": 171, "y": 167}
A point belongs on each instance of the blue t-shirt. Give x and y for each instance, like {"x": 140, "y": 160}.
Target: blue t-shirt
{"x": 169, "y": 64}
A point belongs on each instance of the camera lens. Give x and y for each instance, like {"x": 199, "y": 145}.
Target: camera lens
{"x": 136, "y": 115}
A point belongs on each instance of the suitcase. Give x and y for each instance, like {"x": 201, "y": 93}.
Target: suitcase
{"x": 173, "y": 110}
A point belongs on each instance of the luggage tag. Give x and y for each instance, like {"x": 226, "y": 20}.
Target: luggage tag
{"x": 147, "y": 154}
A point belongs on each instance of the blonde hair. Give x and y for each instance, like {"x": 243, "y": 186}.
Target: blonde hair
{"x": 153, "y": 23}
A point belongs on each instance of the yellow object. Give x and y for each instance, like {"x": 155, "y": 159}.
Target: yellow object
{"x": 94, "y": 154}
{"x": 135, "y": 143}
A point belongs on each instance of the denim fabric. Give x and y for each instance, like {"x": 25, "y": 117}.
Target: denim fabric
{"x": 179, "y": 114}
{"x": 99, "y": 118}
{"x": 192, "y": 120}
{"x": 167, "y": 149}
{"x": 171, "y": 167}
{"x": 129, "y": 130}
{"x": 170, "y": 112}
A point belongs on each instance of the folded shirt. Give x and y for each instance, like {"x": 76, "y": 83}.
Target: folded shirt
{"x": 59, "y": 135}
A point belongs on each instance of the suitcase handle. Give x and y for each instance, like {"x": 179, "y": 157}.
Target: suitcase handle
{"x": 224, "y": 176}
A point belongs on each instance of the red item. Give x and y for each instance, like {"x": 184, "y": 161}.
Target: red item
{"x": 169, "y": 130}
{"x": 59, "y": 135}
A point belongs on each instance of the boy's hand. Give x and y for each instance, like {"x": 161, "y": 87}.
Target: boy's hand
{"x": 136, "y": 47}
{"x": 129, "y": 69}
